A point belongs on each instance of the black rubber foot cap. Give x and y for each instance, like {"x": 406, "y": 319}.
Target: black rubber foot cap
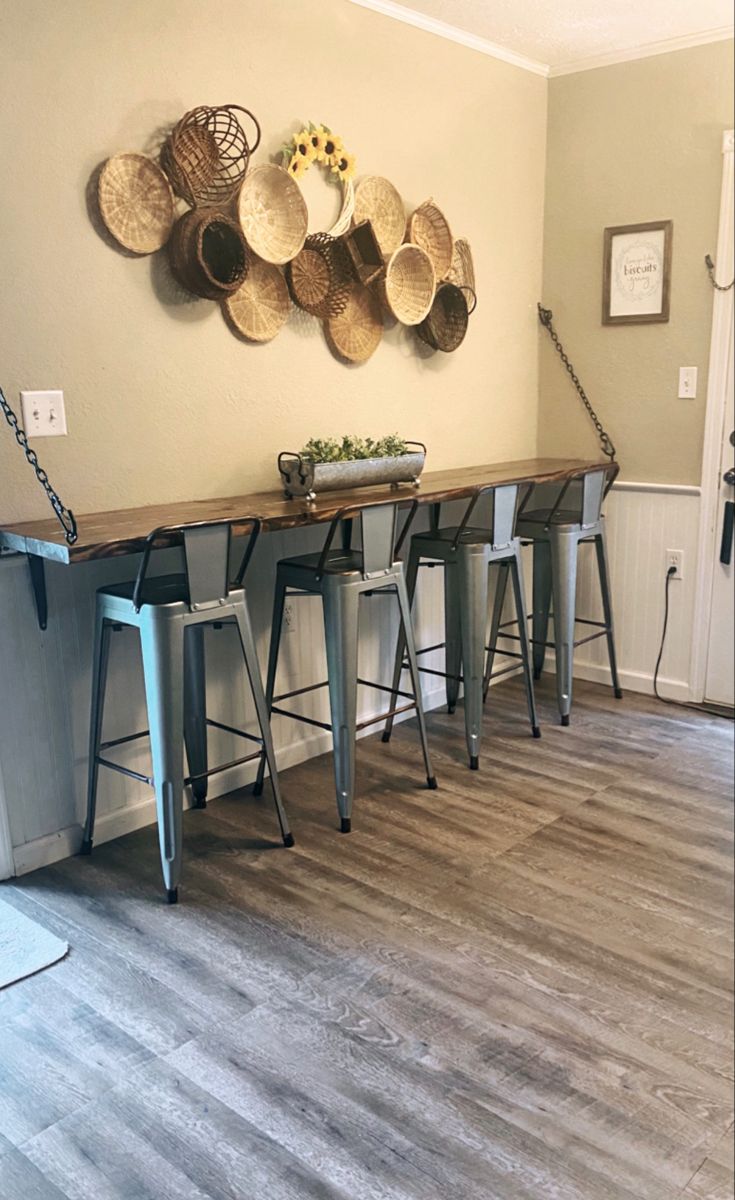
{"x": 288, "y": 839}
{"x": 451, "y": 709}
{"x": 86, "y": 847}
{"x": 618, "y": 693}
{"x": 565, "y": 719}
{"x": 386, "y": 736}
{"x": 536, "y": 674}
{"x": 200, "y": 802}
{"x": 474, "y": 762}
{"x": 431, "y": 783}
{"x": 536, "y": 731}
{"x": 172, "y": 895}
{"x": 257, "y": 789}
{"x": 345, "y": 825}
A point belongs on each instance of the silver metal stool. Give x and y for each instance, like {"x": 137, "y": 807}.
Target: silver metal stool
{"x": 341, "y": 577}
{"x": 466, "y": 553}
{"x": 556, "y": 532}
{"x": 171, "y": 613}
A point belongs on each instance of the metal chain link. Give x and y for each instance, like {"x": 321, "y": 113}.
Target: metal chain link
{"x": 544, "y": 316}
{"x": 65, "y": 515}
{"x": 721, "y": 287}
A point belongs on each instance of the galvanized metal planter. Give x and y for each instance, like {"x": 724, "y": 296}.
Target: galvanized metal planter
{"x": 302, "y": 477}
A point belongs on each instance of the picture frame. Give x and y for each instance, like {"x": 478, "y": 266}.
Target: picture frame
{"x": 636, "y": 273}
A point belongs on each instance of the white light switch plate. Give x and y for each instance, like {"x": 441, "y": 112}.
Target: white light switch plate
{"x": 687, "y": 383}
{"x": 43, "y": 414}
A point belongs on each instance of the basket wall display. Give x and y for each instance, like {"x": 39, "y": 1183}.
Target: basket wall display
{"x": 356, "y": 333}
{"x": 445, "y": 325}
{"x": 377, "y": 201}
{"x": 208, "y": 253}
{"x": 429, "y": 229}
{"x": 364, "y": 251}
{"x": 462, "y": 270}
{"x": 206, "y": 154}
{"x": 272, "y": 214}
{"x": 260, "y": 306}
{"x": 409, "y": 284}
{"x": 320, "y": 276}
{"x": 135, "y": 202}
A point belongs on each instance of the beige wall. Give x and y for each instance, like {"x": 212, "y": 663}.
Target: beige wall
{"x": 639, "y": 141}
{"x": 162, "y": 401}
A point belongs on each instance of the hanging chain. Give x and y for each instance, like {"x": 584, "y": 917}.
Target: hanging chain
{"x": 721, "y": 287}
{"x": 608, "y": 449}
{"x": 65, "y": 515}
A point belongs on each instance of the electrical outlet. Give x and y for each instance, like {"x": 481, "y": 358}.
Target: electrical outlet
{"x": 43, "y": 414}
{"x": 289, "y": 618}
{"x": 675, "y": 558}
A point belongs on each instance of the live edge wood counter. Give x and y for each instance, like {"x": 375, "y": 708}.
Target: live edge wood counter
{"x": 110, "y": 534}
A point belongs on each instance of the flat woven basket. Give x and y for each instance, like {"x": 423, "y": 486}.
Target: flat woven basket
{"x": 429, "y": 229}
{"x": 136, "y": 202}
{"x": 273, "y": 214}
{"x": 261, "y": 305}
{"x": 320, "y": 276}
{"x": 409, "y": 284}
{"x": 206, "y": 154}
{"x": 377, "y": 201}
{"x": 355, "y": 334}
{"x": 208, "y": 253}
{"x": 462, "y": 270}
{"x": 445, "y": 326}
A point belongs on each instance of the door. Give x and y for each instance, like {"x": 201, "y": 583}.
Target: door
{"x": 719, "y": 685}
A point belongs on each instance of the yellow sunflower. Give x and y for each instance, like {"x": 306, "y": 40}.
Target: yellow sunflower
{"x": 332, "y": 147}
{"x": 317, "y": 136}
{"x": 343, "y": 165}
{"x": 303, "y": 148}
{"x": 297, "y": 166}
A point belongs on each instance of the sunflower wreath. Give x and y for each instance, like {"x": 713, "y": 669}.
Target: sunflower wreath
{"x": 317, "y": 144}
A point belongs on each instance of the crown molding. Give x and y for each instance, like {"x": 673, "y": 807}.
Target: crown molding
{"x": 647, "y": 51}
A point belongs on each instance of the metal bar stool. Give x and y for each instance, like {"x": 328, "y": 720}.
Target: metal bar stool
{"x": 341, "y": 577}
{"x": 466, "y": 552}
{"x": 556, "y": 532}
{"x": 171, "y": 613}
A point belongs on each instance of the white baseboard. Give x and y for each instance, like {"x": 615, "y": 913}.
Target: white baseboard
{"x": 634, "y": 681}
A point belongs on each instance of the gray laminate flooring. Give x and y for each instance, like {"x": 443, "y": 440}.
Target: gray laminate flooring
{"x": 518, "y": 987}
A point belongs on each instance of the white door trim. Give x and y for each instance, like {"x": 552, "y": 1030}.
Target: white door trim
{"x": 722, "y": 316}
{"x": 7, "y": 863}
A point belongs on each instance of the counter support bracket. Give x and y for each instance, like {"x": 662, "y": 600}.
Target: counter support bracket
{"x": 37, "y": 569}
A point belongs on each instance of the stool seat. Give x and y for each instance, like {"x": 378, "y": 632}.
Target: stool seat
{"x": 162, "y": 589}
{"x": 542, "y": 516}
{"x": 337, "y": 562}
{"x": 469, "y": 536}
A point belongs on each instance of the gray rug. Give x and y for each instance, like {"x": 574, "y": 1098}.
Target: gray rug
{"x": 25, "y": 947}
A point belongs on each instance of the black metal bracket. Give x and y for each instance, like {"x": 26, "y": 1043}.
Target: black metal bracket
{"x": 36, "y": 567}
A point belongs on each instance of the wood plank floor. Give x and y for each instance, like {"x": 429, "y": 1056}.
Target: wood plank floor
{"x": 518, "y": 987}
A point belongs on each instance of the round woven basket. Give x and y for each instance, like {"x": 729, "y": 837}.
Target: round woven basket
{"x": 136, "y": 202}
{"x": 261, "y": 305}
{"x": 445, "y": 325}
{"x": 429, "y": 229}
{"x": 409, "y": 284}
{"x": 377, "y": 201}
{"x": 462, "y": 270}
{"x": 320, "y": 276}
{"x": 273, "y": 214}
{"x": 206, "y": 154}
{"x": 355, "y": 334}
{"x": 208, "y": 253}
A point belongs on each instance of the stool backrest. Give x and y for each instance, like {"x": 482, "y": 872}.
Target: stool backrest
{"x": 581, "y": 496}
{"x": 378, "y": 535}
{"x": 206, "y": 548}
{"x": 499, "y": 521}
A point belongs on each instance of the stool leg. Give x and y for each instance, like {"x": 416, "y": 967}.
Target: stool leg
{"x": 500, "y": 589}
{"x": 413, "y": 666}
{"x": 412, "y": 570}
{"x": 452, "y": 633}
{"x": 102, "y": 630}
{"x": 604, "y": 572}
{"x": 340, "y": 629}
{"x": 515, "y": 566}
{"x": 473, "y": 574}
{"x": 279, "y": 600}
{"x": 541, "y": 603}
{"x": 564, "y": 550}
{"x": 195, "y": 710}
{"x": 162, "y": 643}
{"x": 250, "y": 655}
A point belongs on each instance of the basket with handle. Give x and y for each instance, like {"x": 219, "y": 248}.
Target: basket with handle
{"x": 206, "y": 154}
{"x": 445, "y": 325}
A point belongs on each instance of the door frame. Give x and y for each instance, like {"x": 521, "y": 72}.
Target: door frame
{"x": 722, "y": 319}
{"x": 7, "y": 862}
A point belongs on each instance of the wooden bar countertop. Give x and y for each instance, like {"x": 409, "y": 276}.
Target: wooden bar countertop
{"x": 109, "y": 534}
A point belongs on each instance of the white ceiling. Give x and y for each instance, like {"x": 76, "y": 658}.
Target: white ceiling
{"x": 569, "y": 34}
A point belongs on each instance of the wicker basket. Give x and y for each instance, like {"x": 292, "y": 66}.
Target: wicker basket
{"x": 364, "y": 251}
{"x": 409, "y": 284}
{"x": 462, "y": 270}
{"x": 261, "y": 305}
{"x": 355, "y": 334}
{"x": 273, "y": 214}
{"x": 206, "y": 154}
{"x": 445, "y": 325}
{"x": 135, "y": 202}
{"x": 377, "y": 201}
{"x": 320, "y": 276}
{"x": 208, "y": 254}
{"x": 429, "y": 229}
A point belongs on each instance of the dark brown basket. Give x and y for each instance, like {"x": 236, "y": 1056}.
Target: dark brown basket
{"x": 208, "y": 253}
{"x": 445, "y": 325}
{"x": 206, "y": 154}
{"x": 319, "y": 277}
{"x": 364, "y": 251}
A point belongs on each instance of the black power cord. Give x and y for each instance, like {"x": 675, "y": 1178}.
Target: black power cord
{"x": 700, "y": 708}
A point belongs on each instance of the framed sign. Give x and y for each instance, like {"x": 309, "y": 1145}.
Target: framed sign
{"x": 636, "y": 273}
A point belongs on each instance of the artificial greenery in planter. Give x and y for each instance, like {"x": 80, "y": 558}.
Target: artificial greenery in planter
{"x": 350, "y": 449}
{"x": 326, "y": 464}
